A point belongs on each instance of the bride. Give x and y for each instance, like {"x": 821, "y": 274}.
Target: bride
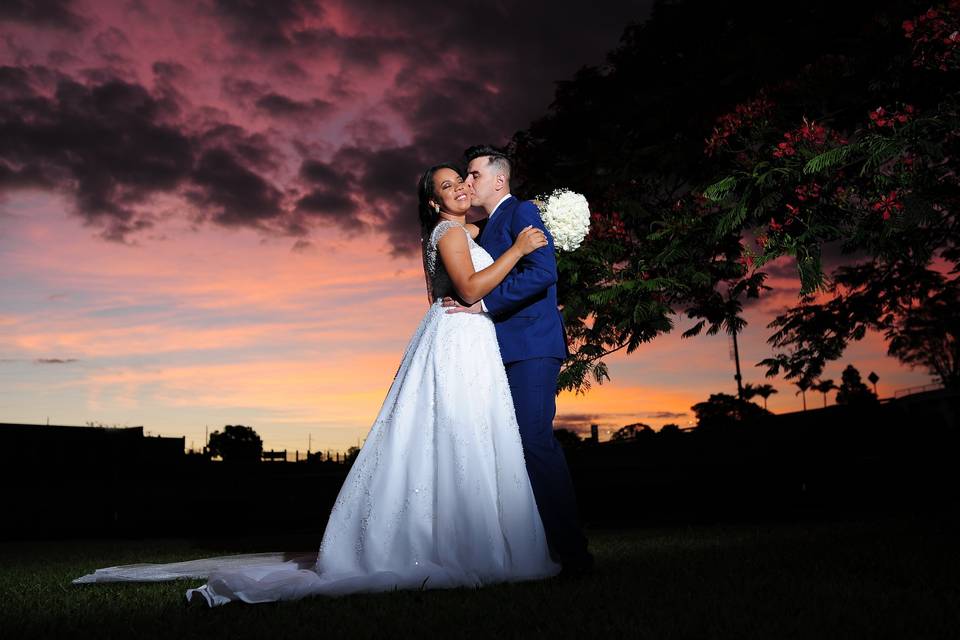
{"x": 438, "y": 496}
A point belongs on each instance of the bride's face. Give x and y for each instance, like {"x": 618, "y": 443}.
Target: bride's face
{"x": 451, "y": 192}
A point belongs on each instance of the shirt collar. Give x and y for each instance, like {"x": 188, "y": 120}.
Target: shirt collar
{"x": 498, "y": 206}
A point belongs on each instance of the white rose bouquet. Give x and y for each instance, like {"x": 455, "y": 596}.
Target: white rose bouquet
{"x": 566, "y": 215}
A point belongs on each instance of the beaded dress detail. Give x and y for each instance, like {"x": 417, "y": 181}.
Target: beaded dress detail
{"x": 438, "y": 496}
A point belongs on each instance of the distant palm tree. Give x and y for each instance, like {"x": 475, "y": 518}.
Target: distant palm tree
{"x": 724, "y": 312}
{"x": 762, "y": 390}
{"x": 824, "y": 387}
{"x": 803, "y": 384}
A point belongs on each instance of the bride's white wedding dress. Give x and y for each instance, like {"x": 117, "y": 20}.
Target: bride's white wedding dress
{"x": 438, "y": 496}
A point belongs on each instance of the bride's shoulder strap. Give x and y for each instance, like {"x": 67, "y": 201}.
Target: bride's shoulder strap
{"x": 430, "y": 248}
{"x": 442, "y": 227}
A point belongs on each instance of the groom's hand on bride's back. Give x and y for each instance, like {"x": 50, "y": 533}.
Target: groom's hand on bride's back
{"x": 454, "y": 306}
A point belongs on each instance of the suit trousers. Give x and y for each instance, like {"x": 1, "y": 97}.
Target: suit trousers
{"x": 533, "y": 384}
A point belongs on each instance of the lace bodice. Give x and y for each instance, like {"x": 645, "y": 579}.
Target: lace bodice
{"x": 440, "y": 284}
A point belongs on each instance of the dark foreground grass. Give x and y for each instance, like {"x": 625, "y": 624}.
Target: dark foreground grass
{"x": 882, "y": 578}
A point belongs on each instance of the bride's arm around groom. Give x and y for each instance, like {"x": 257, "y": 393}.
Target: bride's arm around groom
{"x": 533, "y": 275}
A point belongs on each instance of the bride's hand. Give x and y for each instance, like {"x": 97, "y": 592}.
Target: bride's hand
{"x": 529, "y": 240}
{"x": 455, "y": 307}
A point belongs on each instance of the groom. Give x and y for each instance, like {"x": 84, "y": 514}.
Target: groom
{"x": 533, "y": 346}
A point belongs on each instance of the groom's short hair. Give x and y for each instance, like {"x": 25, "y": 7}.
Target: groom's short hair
{"x": 498, "y": 158}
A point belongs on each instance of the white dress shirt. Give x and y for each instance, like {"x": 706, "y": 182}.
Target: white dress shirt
{"x": 490, "y": 217}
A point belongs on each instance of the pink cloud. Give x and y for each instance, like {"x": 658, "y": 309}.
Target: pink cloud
{"x": 211, "y": 210}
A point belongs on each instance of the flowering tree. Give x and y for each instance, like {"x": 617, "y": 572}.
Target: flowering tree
{"x": 889, "y": 193}
{"x": 856, "y": 150}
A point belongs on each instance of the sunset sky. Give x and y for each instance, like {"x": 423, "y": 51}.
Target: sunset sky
{"x": 207, "y": 210}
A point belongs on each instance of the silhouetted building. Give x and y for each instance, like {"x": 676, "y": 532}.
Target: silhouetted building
{"x": 85, "y": 480}
{"x": 63, "y": 443}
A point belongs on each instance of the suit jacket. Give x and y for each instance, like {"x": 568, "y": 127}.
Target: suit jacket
{"x": 524, "y": 305}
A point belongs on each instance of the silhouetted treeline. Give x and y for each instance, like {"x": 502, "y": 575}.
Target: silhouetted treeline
{"x": 892, "y": 456}
{"x": 92, "y": 481}
{"x": 837, "y": 460}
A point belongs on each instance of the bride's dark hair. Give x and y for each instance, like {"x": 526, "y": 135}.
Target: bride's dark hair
{"x": 425, "y": 191}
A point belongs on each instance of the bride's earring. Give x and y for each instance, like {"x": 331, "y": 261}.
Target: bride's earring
{"x": 436, "y": 208}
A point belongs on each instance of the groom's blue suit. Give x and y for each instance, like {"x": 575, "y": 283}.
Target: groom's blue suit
{"x": 533, "y": 345}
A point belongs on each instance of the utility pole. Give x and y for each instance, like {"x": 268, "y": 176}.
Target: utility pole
{"x": 736, "y": 358}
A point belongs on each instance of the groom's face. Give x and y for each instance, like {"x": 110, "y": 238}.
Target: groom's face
{"x": 481, "y": 177}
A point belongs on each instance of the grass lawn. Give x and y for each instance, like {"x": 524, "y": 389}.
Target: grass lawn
{"x": 876, "y": 578}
